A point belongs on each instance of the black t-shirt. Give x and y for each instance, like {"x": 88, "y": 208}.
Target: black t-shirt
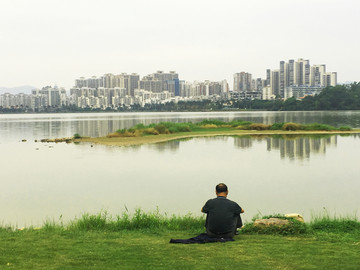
{"x": 221, "y": 213}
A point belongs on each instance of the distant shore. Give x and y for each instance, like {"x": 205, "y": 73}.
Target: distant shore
{"x": 129, "y": 141}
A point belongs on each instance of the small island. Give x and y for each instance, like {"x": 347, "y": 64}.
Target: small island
{"x": 168, "y": 131}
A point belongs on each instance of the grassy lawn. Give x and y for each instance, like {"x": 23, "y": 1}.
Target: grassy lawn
{"x": 144, "y": 249}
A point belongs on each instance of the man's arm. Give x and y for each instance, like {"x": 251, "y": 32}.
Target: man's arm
{"x": 205, "y": 208}
{"x": 238, "y": 209}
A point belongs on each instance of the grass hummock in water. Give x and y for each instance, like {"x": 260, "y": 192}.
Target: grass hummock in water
{"x": 172, "y": 127}
{"x": 167, "y": 131}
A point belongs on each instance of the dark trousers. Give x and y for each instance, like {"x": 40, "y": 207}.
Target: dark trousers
{"x": 237, "y": 223}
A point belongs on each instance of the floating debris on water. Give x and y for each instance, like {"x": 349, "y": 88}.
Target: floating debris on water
{"x": 67, "y": 140}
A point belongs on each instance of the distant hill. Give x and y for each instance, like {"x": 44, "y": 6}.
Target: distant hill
{"x": 26, "y": 89}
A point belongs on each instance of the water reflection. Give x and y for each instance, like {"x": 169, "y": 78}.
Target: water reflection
{"x": 172, "y": 146}
{"x": 301, "y": 147}
{"x": 99, "y": 124}
{"x": 291, "y": 147}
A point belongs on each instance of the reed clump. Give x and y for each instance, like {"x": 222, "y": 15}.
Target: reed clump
{"x": 292, "y": 126}
{"x": 258, "y": 126}
{"x": 331, "y": 223}
{"x": 209, "y": 126}
{"x": 139, "y": 220}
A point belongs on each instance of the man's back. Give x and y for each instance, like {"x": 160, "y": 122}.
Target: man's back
{"x": 221, "y": 213}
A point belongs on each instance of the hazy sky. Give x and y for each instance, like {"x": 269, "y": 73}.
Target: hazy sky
{"x": 47, "y": 42}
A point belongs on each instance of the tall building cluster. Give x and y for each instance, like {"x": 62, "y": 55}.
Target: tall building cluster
{"x": 39, "y": 98}
{"x": 125, "y": 90}
{"x": 292, "y": 79}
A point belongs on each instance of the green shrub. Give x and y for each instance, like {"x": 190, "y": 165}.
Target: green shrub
{"x": 239, "y": 123}
{"x": 121, "y": 131}
{"x": 291, "y": 126}
{"x": 316, "y": 126}
{"x": 345, "y": 128}
{"x": 139, "y": 126}
{"x": 277, "y": 126}
{"x": 76, "y": 136}
{"x": 161, "y": 128}
{"x": 211, "y": 122}
{"x": 258, "y": 126}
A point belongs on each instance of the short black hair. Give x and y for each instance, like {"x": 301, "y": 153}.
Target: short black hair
{"x": 221, "y": 188}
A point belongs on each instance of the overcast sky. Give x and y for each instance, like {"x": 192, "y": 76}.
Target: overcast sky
{"x": 47, "y": 42}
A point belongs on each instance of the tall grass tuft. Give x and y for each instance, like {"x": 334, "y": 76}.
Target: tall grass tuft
{"x": 89, "y": 222}
{"x": 277, "y": 126}
{"x": 139, "y": 220}
{"x": 326, "y": 223}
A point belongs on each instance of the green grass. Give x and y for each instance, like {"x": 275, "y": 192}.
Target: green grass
{"x": 141, "y": 241}
{"x": 214, "y": 124}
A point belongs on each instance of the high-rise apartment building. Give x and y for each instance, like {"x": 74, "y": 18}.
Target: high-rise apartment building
{"x": 275, "y": 82}
{"x": 53, "y": 96}
{"x": 128, "y": 81}
{"x": 300, "y": 74}
{"x": 282, "y": 78}
{"x": 316, "y": 72}
{"x": 268, "y": 75}
{"x": 329, "y": 79}
{"x": 290, "y": 69}
{"x": 242, "y": 82}
{"x": 149, "y": 83}
{"x": 165, "y": 77}
{"x": 161, "y": 81}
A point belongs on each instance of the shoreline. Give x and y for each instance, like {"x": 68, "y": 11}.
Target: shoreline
{"x": 152, "y": 139}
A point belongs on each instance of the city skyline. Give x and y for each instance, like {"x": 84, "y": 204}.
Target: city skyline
{"x": 296, "y": 79}
{"x": 53, "y": 42}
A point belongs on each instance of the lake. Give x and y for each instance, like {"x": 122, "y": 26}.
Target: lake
{"x": 265, "y": 175}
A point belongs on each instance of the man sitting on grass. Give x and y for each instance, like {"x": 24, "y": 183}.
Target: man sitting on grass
{"x": 223, "y": 215}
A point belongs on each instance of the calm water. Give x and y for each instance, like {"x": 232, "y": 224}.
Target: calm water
{"x": 265, "y": 175}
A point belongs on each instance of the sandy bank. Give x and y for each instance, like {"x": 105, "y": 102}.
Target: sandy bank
{"x": 128, "y": 141}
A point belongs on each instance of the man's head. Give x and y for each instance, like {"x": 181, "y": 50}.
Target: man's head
{"x": 221, "y": 190}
